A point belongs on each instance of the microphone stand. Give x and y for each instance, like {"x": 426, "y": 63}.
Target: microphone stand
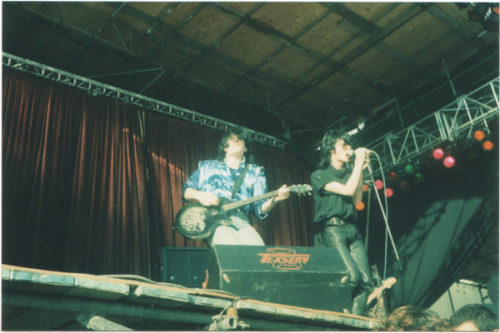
{"x": 385, "y": 218}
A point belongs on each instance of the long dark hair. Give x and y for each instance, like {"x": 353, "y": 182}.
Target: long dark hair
{"x": 327, "y": 144}
{"x": 242, "y": 134}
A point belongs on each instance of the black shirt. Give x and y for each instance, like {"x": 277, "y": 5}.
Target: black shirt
{"x": 328, "y": 204}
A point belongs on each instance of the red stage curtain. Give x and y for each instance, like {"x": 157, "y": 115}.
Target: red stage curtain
{"x": 73, "y": 180}
{"x": 174, "y": 149}
{"x": 93, "y": 185}
{"x": 290, "y": 223}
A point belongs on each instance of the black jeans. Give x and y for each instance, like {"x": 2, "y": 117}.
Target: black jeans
{"x": 347, "y": 240}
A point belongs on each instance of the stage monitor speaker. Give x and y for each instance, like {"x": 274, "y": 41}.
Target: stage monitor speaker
{"x": 308, "y": 277}
{"x": 184, "y": 266}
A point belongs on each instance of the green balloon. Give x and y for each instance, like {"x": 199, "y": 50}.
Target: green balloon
{"x": 409, "y": 169}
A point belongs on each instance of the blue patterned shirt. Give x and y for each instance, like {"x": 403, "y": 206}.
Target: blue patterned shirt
{"x": 218, "y": 178}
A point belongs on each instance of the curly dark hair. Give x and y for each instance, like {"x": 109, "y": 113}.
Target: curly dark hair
{"x": 327, "y": 144}
{"x": 242, "y": 134}
{"x": 414, "y": 318}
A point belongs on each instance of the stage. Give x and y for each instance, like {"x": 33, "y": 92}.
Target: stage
{"x": 34, "y": 299}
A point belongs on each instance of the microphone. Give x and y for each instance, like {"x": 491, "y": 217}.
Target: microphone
{"x": 350, "y": 152}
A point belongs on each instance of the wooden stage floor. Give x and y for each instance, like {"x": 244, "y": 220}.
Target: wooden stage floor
{"x": 34, "y": 299}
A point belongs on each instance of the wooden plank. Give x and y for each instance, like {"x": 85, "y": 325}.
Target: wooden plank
{"x": 30, "y": 281}
{"x": 259, "y": 309}
{"x": 97, "y": 323}
{"x": 209, "y": 302}
{"x": 100, "y": 289}
{"x": 135, "y": 322}
{"x": 103, "y": 308}
{"x": 152, "y": 295}
{"x": 292, "y": 314}
{"x": 71, "y": 284}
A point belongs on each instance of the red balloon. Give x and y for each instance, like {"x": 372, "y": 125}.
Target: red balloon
{"x": 389, "y": 192}
{"x": 449, "y": 161}
{"x": 438, "y": 153}
{"x": 479, "y": 135}
{"x": 488, "y": 145}
{"x": 379, "y": 184}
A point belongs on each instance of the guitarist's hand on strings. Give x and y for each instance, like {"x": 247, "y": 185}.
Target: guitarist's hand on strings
{"x": 283, "y": 194}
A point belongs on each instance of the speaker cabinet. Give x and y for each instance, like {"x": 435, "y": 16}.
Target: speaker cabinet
{"x": 184, "y": 266}
{"x": 308, "y": 277}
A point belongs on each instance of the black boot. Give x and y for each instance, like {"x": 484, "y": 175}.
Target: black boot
{"x": 359, "y": 302}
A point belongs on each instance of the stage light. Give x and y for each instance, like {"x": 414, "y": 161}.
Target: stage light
{"x": 449, "y": 161}
{"x": 360, "y": 206}
{"x": 487, "y": 145}
{"x": 438, "y": 153}
{"x": 379, "y": 184}
{"x": 419, "y": 177}
{"x": 393, "y": 176}
{"x": 404, "y": 185}
{"x": 479, "y": 135}
{"x": 409, "y": 169}
{"x": 389, "y": 192}
{"x": 485, "y": 13}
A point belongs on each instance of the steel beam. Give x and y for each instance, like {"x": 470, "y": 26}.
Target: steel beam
{"x": 100, "y": 89}
{"x": 455, "y": 121}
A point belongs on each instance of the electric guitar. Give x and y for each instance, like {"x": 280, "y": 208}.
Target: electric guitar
{"x": 196, "y": 221}
{"x": 377, "y": 292}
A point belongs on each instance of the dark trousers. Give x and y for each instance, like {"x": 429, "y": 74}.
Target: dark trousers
{"x": 347, "y": 240}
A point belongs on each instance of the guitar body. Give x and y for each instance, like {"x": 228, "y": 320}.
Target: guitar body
{"x": 196, "y": 221}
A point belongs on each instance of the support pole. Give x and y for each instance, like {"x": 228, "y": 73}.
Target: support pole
{"x": 166, "y": 315}
{"x": 368, "y": 206}
{"x": 384, "y": 215}
{"x": 449, "y": 77}
{"x": 96, "y": 323}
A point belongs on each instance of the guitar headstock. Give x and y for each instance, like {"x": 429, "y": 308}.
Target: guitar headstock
{"x": 301, "y": 189}
{"x": 389, "y": 282}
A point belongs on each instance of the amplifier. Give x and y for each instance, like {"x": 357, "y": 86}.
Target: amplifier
{"x": 308, "y": 277}
{"x": 184, "y": 266}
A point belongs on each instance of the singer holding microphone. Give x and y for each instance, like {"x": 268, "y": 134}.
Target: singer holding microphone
{"x": 337, "y": 187}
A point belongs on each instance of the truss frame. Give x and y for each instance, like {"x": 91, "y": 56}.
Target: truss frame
{"x": 454, "y": 121}
{"x": 96, "y": 88}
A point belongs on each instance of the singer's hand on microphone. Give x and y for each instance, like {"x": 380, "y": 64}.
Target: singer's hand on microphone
{"x": 361, "y": 153}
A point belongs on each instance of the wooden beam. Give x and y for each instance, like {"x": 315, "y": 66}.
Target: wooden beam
{"x": 96, "y": 323}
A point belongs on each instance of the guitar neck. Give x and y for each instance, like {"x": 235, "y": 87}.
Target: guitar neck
{"x": 241, "y": 203}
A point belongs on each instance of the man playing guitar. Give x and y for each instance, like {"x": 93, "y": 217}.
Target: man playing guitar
{"x": 214, "y": 180}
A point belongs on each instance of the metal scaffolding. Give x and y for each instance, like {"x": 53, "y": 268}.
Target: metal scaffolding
{"x": 457, "y": 120}
{"x": 100, "y": 89}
